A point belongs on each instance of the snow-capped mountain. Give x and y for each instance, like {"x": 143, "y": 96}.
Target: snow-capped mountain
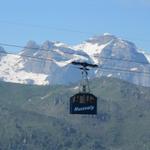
{"x": 53, "y": 65}
{"x": 146, "y": 54}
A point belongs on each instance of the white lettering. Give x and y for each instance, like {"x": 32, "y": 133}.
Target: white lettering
{"x": 84, "y": 108}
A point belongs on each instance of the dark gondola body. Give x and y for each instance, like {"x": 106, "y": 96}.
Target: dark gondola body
{"x": 83, "y": 103}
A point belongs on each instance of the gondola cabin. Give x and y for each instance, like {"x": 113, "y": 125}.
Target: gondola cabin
{"x": 83, "y": 103}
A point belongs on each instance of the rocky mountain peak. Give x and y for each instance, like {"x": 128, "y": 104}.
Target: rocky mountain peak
{"x": 123, "y": 49}
{"x": 2, "y": 50}
{"x": 30, "y": 48}
{"x": 103, "y": 39}
{"x": 32, "y": 44}
{"x": 48, "y": 45}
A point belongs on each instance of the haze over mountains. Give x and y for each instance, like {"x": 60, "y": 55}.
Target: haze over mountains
{"x": 53, "y": 67}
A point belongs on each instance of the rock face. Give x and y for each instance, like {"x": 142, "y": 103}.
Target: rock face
{"x": 2, "y": 52}
{"x": 53, "y": 66}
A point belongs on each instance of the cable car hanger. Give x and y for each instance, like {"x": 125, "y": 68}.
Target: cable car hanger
{"x": 84, "y": 72}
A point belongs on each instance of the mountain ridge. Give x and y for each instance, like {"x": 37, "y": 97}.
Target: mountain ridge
{"x": 56, "y": 67}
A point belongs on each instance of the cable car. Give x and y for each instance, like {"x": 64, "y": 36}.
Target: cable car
{"x": 84, "y": 102}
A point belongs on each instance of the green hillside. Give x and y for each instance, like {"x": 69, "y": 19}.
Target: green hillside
{"x": 37, "y": 118}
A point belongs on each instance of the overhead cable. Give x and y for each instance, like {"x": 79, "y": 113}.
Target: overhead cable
{"x": 102, "y": 57}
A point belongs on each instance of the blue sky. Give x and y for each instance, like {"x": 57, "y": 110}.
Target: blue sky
{"x": 73, "y": 21}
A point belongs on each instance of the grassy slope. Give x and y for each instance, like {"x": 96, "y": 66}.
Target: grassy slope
{"x": 36, "y": 117}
